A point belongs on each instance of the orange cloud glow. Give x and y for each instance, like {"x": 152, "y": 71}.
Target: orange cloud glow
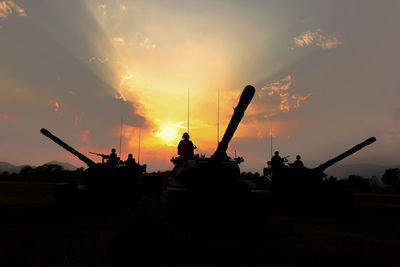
{"x": 283, "y": 88}
{"x": 9, "y": 118}
{"x": 119, "y": 41}
{"x": 84, "y": 136}
{"x": 310, "y": 38}
{"x": 55, "y": 106}
{"x": 9, "y": 7}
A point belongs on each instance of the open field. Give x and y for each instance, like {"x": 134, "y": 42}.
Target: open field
{"x": 34, "y": 232}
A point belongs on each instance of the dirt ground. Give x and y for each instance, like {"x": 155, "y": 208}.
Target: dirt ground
{"x": 35, "y": 232}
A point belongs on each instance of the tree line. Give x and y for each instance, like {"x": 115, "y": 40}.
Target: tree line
{"x": 388, "y": 183}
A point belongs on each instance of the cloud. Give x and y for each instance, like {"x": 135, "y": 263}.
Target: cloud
{"x": 65, "y": 93}
{"x": 77, "y": 116}
{"x": 8, "y": 8}
{"x": 278, "y": 96}
{"x": 54, "y": 105}
{"x": 146, "y": 43}
{"x": 316, "y": 38}
{"x": 83, "y": 137}
{"x": 100, "y": 60}
{"x": 119, "y": 41}
{"x": 7, "y": 117}
{"x": 103, "y": 8}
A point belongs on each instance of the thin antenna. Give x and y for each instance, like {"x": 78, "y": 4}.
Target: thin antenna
{"x": 139, "y": 146}
{"x": 188, "y": 111}
{"x": 266, "y": 143}
{"x": 218, "y": 120}
{"x": 120, "y": 140}
{"x": 270, "y": 133}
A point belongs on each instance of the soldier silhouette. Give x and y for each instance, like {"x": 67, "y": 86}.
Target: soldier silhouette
{"x": 130, "y": 161}
{"x": 186, "y": 147}
{"x": 298, "y": 164}
{"x": 276, "y": 160}
{"x": 113, "y": 158}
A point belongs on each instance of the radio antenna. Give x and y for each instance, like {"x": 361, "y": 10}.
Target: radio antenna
{"x": 218, "y": 120}
{"x": 120, "y": 139}
{"x": 188, "y": 111}
{"x": 270, "y": 133}
{"x": 139, "y": 146}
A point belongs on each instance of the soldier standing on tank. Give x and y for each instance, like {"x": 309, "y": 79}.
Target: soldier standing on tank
{"x": 113, "y": 158}
{"x": 298, "y": 164}
{"x": 186, "y": 147}
{"x": 276, "y": 160}
{"x": 130, "y": 160}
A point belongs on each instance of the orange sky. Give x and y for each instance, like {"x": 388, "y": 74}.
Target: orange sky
{"x": 322, "y": 83}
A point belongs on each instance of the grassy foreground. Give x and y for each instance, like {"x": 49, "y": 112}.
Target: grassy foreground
{"x": 34, "y": 232}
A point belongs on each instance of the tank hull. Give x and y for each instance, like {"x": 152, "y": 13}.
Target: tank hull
{"x": 307, "y": 189}
{"x": 104, "y": 184}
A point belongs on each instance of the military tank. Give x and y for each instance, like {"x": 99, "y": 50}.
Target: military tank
{"x": 104, "y": 183}
{"x": 210, "y": 186}
{"x": 307, "y": 188}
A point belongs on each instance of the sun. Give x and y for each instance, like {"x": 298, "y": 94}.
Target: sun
{"x": 168, "y": 133}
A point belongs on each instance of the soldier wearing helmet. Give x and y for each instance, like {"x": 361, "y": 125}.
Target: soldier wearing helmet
{"x": 276, "y": 160}
{"x": 298, "y": 164}
{"x": 186, "y": 147}
{"x": 130, "y": 161}
{"x": 112, "y": 158}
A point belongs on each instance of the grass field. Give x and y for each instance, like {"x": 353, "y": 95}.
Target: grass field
{"x": 34, "y": 232}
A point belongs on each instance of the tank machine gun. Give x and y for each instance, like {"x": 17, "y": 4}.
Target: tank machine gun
{"x": 103, "y": 156}
{"x": 213, "y": 183}
{"x": 295, "y": 186}
{"x": 105, "y": 183}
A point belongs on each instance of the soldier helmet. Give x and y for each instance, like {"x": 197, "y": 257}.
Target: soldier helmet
{"x": 185, "y": 136}
{"x": 298, "y": 157}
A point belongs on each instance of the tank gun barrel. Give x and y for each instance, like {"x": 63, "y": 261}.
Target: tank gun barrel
{"x": 237, "y": 116}
{"x": 59, "y": 142}
{"x": 349, "y": 152}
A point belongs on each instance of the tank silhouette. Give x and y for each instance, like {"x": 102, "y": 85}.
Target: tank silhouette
{"x": 103, "y": 183}
{"x": 212, "y": 185}
{"x": 307, "y": 188}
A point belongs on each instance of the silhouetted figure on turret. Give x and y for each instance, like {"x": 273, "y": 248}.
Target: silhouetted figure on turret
{"x": 298, "y": 164}
{"x": 130, "y": 161}
{"x": 276, "y": 161}
{"x": 186, "y": 147}
{"x": 113, "y": 158}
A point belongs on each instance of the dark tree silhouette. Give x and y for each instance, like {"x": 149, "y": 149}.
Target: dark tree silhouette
{"x": 359, "y": 183}
{"x": 391, "y": 177}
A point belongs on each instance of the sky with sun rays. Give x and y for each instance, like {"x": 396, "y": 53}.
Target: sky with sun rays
{"x": 92, "y": 71}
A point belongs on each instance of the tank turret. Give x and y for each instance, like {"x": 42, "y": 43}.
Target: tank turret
{"x": 237, "y": 116}
{"x": 344, "y": 155}
{"x": 293, "y": 186}
{"x": 58, "y": 141}
{"x": 219, "y": 166}
{"x": 105, "y": 183}
{"x": 213, "y": 183}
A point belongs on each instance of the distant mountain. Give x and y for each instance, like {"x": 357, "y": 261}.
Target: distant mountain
{"x": 65, "y": 165}
{"x": 10, "y": 168}
{"x": 365, "y": 170}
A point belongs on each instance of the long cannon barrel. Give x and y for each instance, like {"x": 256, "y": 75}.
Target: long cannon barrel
{"x": 237, "y": 116}
{"x": 59, "y": 142}
{"x": 349, "y": 152}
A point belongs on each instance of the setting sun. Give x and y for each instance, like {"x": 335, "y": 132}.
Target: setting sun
{"x": 167, "y": 133}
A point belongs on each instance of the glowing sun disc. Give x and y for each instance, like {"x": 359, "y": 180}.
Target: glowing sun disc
{"x": 168, "y": 133}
